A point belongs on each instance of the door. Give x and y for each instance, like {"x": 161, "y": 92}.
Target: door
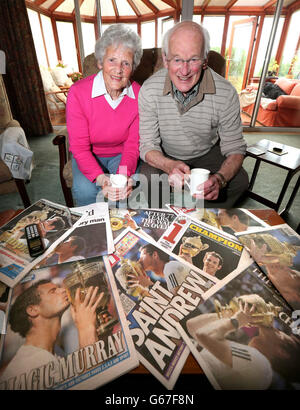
{"x": 240, "y": 51}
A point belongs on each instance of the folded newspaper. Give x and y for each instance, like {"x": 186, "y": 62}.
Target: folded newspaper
{"x": 66, "y": 330}
{"x": 89, "y": 237}
{"x": 147, "y": 278}
{"x": 53, "y": 221}
{"x": 244, "y": 335}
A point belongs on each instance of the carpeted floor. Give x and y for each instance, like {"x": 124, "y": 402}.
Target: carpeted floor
{"x": 45, "y": 176}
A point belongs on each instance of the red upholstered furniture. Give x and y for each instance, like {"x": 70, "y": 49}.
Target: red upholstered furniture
{"x": 285, "y": 110}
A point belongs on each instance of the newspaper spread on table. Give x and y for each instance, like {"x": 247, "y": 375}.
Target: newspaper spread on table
{"x": 91, "y": 341}
{"x": 209, "y": 249}
{"x": 244, "y": 335}
{"x": 277, "y": 251}
{"x": 53, "y": 221}
{"x": 147, "y": 278}
{"x": 89, "y": 237}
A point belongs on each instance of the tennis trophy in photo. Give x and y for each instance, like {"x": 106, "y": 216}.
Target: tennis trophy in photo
{"x": 263, "y": 313}
{"x": 127, "y": 272}
{"x": 84, "y": 275}
{"x": 193, "y": 245}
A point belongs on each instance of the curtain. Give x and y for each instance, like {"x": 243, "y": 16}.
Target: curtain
{"x": 22, "y": 80}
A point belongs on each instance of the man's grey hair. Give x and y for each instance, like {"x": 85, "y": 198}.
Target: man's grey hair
{"x": 119, "y": 34}
{"x": 188, "y": 24}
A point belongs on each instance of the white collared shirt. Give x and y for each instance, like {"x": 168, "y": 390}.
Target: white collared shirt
{"x": 100, "y": 89}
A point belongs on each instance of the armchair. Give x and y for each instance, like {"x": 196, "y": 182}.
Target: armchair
{"x": 150, "y": 63}
{"x": 7, "y": 182}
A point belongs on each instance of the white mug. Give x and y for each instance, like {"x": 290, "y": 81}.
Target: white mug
{"x": 118, "y": 180}
{"x": 198, "y": 176}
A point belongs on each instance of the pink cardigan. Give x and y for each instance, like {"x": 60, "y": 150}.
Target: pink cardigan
{"x": 96, "y": 128}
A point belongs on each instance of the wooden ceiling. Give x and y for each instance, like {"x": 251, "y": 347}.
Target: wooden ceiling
{"x": 143, "y": 10}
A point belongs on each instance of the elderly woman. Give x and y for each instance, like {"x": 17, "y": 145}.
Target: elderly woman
{"x": 102, "y": 119}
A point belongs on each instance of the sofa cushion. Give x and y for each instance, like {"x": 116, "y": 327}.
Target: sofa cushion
{"x": 60, "y": 77}
{"x": 286, "y": 84}
{"x": 296, "y": 90}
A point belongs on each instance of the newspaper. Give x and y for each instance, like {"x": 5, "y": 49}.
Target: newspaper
{"x": 147, "y": 278}
{"x": 210, "y": 250}
{"x": 151, "y": 222}
{"x": 79, "y": 319}
{"x": 244, "y": 336}
{"x": 230, "y": 221}
{"x": 277, "y": 251}
{"x": 5, "y": 295}
{"x": 89, "y": 237}
{"x": 53, "y": 220}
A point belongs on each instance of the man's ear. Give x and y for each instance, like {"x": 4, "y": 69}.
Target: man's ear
{"x": 204, "y": 64}
{"x": 164, "y": 57}
{"x": 32, "y": 311}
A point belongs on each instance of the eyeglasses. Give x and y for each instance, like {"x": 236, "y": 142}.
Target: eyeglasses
{"x": 193, "y": 62}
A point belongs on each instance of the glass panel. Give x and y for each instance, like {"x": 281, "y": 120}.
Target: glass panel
{"x": 124, "y": 8}
{"x": 49, "y": 40}
{"x": 163, "y": 25}
{"x": 37, "y": 37}
{"x": 237, "y": 56}
{"x": 67, "y": 45}
{"x": 290, "y": 48}
{"x": 148, "y": 34}
{"x": 215, "y": 25}
{"x": 88, "y": 37}
{"x": 132, "y": 26}
{"x": 265, "y": 35}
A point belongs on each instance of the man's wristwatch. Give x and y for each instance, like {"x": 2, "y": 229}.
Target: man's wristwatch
{"x": 221, "y": 180}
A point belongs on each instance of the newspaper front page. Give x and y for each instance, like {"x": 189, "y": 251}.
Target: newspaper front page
{"x": 53, "y": 221}
{"x": 277, "y": 251}
{"x": 208, "y": 249}
{"x": 70, "y": 332}
{"x": 90, "y": 236}
{"x": 147, "y": 278}
{"x": 244, "y": 336}
{"x": 230, "y": 221}
{"x": 151, "y": 222}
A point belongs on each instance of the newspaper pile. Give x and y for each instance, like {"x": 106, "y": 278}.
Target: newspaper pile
{"x": 154, "y": 285}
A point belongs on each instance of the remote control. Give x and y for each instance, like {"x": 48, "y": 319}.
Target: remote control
{"x": 34, "y": 240}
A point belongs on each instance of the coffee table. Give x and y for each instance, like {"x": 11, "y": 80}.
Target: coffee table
{"x": 191, "y": 365}
{"x": 289, "y": 161}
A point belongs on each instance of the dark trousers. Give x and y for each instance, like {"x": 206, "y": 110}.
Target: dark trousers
{"x": 212, "y": 161}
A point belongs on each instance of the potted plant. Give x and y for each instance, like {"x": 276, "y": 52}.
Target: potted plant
{"x": 272, "y": 69}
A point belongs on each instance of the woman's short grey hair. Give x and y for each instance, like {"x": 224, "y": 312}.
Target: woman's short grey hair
{"x": 189, "y": 24}
{"x": 119, "y": 34}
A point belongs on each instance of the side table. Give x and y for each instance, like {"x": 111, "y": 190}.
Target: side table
{"x": 289, "y": 161}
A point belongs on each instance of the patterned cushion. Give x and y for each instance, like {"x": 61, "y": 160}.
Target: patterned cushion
{"x": 60, "y": 77}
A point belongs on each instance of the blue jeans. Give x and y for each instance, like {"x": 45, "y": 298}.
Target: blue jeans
{"x": 84, "y": 191}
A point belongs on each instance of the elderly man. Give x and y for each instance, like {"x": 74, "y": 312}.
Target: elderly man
{"x": 190, "y": 118}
